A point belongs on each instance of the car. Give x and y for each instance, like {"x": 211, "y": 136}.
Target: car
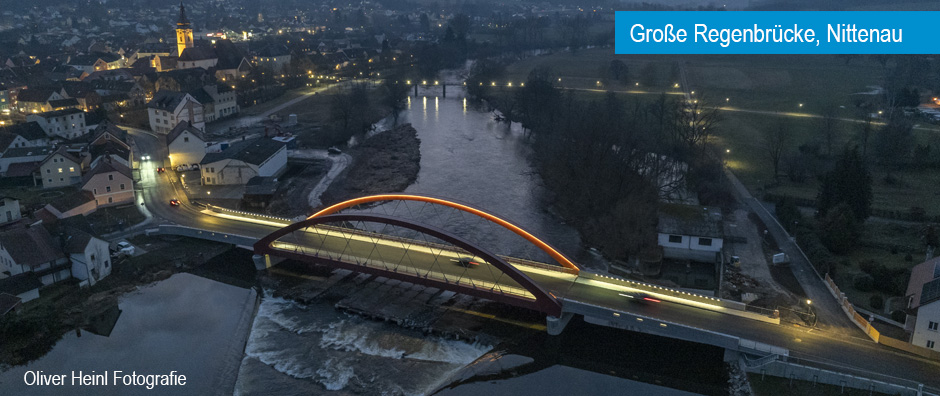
{"x": 145, "y": 157}
{"x": 194, "y": 167}
{"x": 182, "y": 168}
{"x": 161, "y": 169}
{"x": 334, "y": 150}
{"x": 125, "y": 248}
{"x": 640, "y": 297}
{"x": 174, "y": 202}
{"x": 466, "y": 262}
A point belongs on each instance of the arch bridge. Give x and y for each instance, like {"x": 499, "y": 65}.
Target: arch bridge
{"x": 407, "y": 250}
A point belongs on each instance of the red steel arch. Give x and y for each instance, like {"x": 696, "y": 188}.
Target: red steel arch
{"x": 544, "y": 301}
{"x": 554, "y": 253}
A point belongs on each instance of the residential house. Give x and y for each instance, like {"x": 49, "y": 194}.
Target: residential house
{"x": 110, "y": 151}
{"x": 690, "y": 232}
{"x": 27, "y": 134}
{"x": 9, "y": 210}
{"x": 229, "y": 71}
{"x": 30, "y": 157}
{"x": 273, "y": 57}
{"x": 6, "y": 100}
{"x": 169, "y": 108}
{"x": 60, "y": 169}
{"x": 108, "y": 132}
{"x": 9, "y": 303}
{"x": 96, "y": 62}
{"x": 32, "y": 249}
{"x": 110, "y": 182}
{"x": 68, "y": 205}
{"x": 244, "y": 160}
{"x": 36, "y": 100}
{"x": 24, "y": 287}
{"x": 923, "y": 293}
{"x": 186, "y": 145}
{"x": 218, "y": 101}
{"x": 90, "y": 256}
{"x": 126, "y": 90}
{"x": 65, "y": 124}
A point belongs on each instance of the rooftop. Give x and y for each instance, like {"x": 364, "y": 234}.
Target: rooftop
{"x": 250, "y": 151}
{"x": 692, "y": 220}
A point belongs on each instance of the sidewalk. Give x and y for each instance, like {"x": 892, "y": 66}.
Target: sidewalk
{"x": 829, "y": 312}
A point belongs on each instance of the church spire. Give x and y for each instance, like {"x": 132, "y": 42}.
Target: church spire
{"x": 183, "y": 20}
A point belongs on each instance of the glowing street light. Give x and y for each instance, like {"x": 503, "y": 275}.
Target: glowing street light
{"x": 801, "y": 105}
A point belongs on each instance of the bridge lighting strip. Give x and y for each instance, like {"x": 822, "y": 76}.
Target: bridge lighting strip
{"x": 658, "y": 287}
{"x": 664, "y": 297}
{"x": 245, "y": 219}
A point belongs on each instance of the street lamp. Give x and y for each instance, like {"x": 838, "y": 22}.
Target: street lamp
{"x": 809, "y": 302}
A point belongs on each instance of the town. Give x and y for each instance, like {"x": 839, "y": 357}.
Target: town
{"x": 286, "y": 196}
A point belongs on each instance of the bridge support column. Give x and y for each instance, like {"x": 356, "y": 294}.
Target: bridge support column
{"x": 557, "y": 325}
{"x": 416, "y": 90}
{"x": 263, "y": 262}
{"x": 445, "y": 90}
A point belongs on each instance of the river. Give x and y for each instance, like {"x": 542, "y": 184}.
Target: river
{"x": 185, "y": 323}
{"x": 297, "y": 349}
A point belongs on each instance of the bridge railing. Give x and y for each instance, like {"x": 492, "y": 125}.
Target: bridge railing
{"x": 735, "y": 305}
{"x": 492, "y": 287}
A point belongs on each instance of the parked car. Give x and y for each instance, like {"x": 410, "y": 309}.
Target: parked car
{"x": 194, "y": 167}
{"x": 125, "y": 248}
{"x": 182, "y": 168}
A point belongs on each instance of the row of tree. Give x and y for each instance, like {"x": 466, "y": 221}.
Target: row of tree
{"x": 608, "y": 162}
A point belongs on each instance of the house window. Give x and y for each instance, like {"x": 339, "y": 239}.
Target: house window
{"x": 107, "y": 189}
{"x": 186, "y": 139}
{"x": 932, "y": 326}
{"x": 95, "y": 191}
{"x": 675, "y": 239}
{"x": 50, "y": 180}
{"x": 71, "y": 169}
{"x": 705, "y": 241}
{"x": 49, "y": 171}
{"x": 930, "y": 344}
{"x": 60, "y": 170}
{"x": 110, "y": 199}
{"x": 110, "y": 177}
{"x": 122, "y": 186}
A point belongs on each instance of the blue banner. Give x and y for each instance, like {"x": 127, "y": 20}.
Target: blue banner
{"x": 777, "y": 32}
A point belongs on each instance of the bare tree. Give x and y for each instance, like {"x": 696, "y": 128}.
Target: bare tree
{"x": 828, "y": 125}
{"x": 776, "y": 139}
{"x": 695, "y": 122}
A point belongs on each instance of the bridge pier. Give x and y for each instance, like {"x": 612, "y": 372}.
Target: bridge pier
{"x": 416, "y": 90}
{"x": 445, "y": 90}
{"x": 264, "y": 261}
{"x": 557, "y": 325}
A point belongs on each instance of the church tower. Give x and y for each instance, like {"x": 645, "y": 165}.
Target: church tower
{"x": 184, "y": 32}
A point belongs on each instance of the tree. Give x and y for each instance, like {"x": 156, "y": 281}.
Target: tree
{"x": 425, "y": 23}
{"x": 695, "y": 121}
{"x": 618, "y": 70}
{"x": 776, "y": 139}
{"x": 849, "y": 182}
{"x": 394, "y": 96}
{"x": 827, "y": 125}
{"x": 895, "y": 141}
{"x": 839, "y": 229}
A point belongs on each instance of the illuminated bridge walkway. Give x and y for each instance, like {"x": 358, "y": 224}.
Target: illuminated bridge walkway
{"x": 412, "y": 239}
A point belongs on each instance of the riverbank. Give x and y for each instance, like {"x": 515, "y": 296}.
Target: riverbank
{"x": 40, "y": 324}
{"x": 384, "y": 163}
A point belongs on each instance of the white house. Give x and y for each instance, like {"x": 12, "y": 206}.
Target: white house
{"x": 34, "y": 250}
{"x": 27, "y": 134}
{"x": 242, "y": 161}
{"x": 923, "y": 293}
{"x": 186, "y": 145}
{"x": 60, "y": 169}
{"x": 690, "y": 232}
{"x": 9, "y": 210}
{"x": 169, "y": 108}
{"x": 273, "y": 57}
{"x": 90, "y": 257}
{"x": 66, "y": 124}
{"x": 218, "y": 101}
{"x": 23, "y": 155}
